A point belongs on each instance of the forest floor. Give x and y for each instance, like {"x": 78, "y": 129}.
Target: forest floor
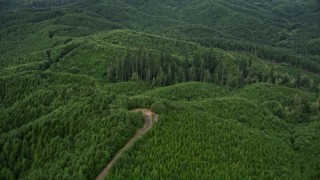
{"x": 149, "y": 117}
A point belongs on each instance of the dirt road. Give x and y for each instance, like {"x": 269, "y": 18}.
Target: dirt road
{"x": 149, "y": 117}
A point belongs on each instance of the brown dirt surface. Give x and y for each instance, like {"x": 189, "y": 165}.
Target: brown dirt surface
{"x": 149, "y": 117}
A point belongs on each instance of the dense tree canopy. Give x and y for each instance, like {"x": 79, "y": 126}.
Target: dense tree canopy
{"x": 235, "y": 84}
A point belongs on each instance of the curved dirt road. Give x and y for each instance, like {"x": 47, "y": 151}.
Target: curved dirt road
{"x": 149, "y": 117}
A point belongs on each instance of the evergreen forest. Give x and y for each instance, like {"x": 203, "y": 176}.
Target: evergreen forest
{"x": 234, "y": 85}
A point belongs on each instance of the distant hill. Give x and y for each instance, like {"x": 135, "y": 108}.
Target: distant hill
{"x": 236, "y": 85}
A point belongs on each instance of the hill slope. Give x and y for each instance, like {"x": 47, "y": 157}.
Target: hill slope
{"x": 235, "y": 83}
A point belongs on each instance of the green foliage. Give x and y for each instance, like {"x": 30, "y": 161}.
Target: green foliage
{"x": 188, "y": 91}
{"x": 207, "y": 138}
{"x": 235, "y": 84}
{"x": 199, "y": 145}
{"x": 59, "y": 125}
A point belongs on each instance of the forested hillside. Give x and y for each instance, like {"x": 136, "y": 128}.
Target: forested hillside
{"x": 236, "y": 85}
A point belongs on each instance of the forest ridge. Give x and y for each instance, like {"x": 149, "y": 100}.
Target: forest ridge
{"x": 235, "y": 85}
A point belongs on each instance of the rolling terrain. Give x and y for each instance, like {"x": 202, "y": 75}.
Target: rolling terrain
{"x": 236, "y": 85}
